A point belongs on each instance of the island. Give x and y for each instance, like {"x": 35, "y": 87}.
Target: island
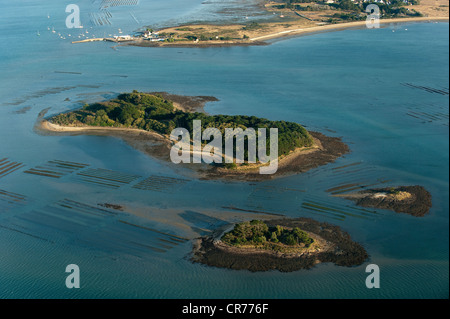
{"x": 412, "y": 200}
{"x": 146, "y": 120}
{"x": 280, "y": 244}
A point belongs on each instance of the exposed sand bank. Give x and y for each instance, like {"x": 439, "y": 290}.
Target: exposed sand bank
{"x": 327, "y": 150}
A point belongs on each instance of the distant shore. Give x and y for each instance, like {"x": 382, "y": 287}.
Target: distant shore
{"x": 343, "y": 26}
{"x": 259, "y": 37}
{"x": 269, "y": 31}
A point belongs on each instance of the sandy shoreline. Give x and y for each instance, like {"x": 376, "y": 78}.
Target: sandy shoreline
{"x": 259, "y": 37}
{"x": 336, "y": 247}
{"x": 327, "y": 150}
{"x": 158, "y": 146}
{"x": 344, "y": 26}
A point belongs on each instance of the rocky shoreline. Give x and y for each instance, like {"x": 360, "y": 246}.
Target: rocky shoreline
{"x": 337, "y": 248}
{"x": 412, "y": 200}
{"x": 326, "y": 149}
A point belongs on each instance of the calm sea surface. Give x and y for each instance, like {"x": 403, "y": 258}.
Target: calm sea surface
{"x": 384, "y": 91}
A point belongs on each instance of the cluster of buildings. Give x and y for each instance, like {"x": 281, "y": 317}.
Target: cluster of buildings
{"x": 146, "y": 35}
{"x": 123, "y": 38}
{"x": 151, "y": 36}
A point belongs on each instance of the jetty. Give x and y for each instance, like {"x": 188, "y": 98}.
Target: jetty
{"x": 89, "y": 40}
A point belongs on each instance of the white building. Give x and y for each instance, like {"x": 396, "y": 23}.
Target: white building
{"x": 123, "y": 37}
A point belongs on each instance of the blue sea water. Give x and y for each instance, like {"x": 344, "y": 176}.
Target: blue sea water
{"x": 361, "y": 85}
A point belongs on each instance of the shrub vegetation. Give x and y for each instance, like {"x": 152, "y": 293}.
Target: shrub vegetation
{"x": 258, "y": 233}
{"x": 154, "y": 113}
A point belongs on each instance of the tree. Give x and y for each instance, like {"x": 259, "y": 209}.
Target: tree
{"x": 347, "y": 5}
{"x": 279, "y": 230}
{"x": 274, "y": 238}
{"x": 290, "y": 240}
{"x": 302, "y": 237}
{"x": 154, "y": 112}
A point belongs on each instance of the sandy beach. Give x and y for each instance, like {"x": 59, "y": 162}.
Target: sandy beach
{"x": 343, "y": 26}
{"x": 266, "y": 31}
{"x": 326, "y": 150}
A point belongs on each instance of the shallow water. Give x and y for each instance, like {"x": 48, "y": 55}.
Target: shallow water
{"x": 361, "y": 85}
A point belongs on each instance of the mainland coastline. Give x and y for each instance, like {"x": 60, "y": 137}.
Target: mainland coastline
{"x": 261, "y": 38}
{"x": 287, "y": 18}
